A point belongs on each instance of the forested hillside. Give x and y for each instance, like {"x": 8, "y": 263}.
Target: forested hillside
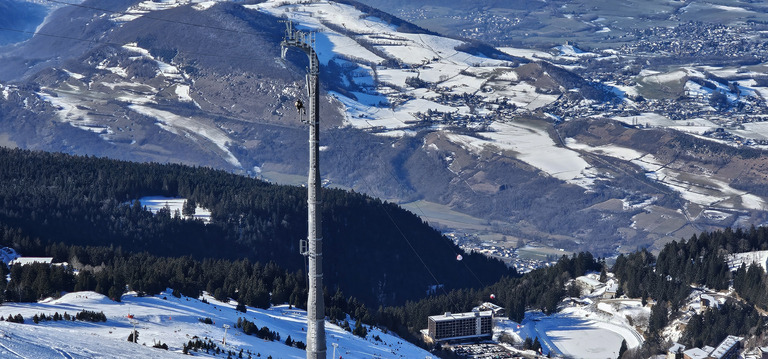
{"x": 374, "y": 251}
{"x": 699, "y": 261}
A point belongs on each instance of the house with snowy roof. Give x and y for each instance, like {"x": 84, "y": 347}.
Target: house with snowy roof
{"x": 695, "y": 353}
{"x": 727, "y": 349}
{"x": 676, "y": 351}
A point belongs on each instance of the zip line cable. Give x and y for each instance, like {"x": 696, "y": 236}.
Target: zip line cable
{"x": 394, "y": 178}
{"x": 403, "y": 235}
{"x": 424, "y": 215}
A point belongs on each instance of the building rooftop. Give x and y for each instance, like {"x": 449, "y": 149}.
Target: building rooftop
{"x": 488, "y": 306}
{"x": 453, "y": 316}
{"x": 696, "y": 353}
{"x": 594, "y": 283}
{"x": 677, "y": 347}
{"x": 726, "y": 345}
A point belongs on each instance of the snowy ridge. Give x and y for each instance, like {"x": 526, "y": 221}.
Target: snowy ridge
{"x": 172, "y": 321}
{"x": 435, "y": 61}
{"x": 148, "y": 6}
{"x": 75, "y": 100}
{"x": 189, "y": 127}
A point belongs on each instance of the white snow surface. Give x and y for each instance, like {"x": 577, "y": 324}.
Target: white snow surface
{"x": 155, "y": 203}
{"x": 578, "y": 332}
{"x": 704, "y": 190}
{"x": 68, "y": 111}
{"x": 181, "y": 125}
{"x": 173, "y": 321}
{"x": 534, "y": 146}
{"x": 748, "y": 258}
{"x": 139, "y": 10}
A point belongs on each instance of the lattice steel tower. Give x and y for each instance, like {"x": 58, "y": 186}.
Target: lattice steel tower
{"x": 316, "y": 347}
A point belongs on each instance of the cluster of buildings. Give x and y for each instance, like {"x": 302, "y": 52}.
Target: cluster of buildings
{"x": 727, "y": 349}
{"x": 508, "y": 254}
{"x": 697, "y": 39}
{"x": 468, "y": 333}
{"x": 481, "y": 112}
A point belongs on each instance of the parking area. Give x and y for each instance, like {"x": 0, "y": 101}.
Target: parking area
{"x": 483, "y": 351}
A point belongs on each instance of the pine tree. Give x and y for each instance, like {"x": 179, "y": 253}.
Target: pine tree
{"x": 241, "y": 307}
{"x": 134, "y": 336}
{"x": 536, "y": 345}
{"x": 360, "y": 330}
{"x": 188, "y": 209}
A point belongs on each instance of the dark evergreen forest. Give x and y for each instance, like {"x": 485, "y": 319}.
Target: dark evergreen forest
{"x": 78, "y": 209}
{"x": 699, "y": 262}
{"x": 374, "y": 251}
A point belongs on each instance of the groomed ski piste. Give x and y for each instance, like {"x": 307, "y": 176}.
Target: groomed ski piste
{"x": 174, "y": 321}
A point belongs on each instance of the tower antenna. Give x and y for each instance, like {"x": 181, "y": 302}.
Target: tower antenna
{"x": 316, "y": 347}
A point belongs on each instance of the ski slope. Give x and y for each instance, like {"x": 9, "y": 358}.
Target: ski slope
{"x": 172, "y": 321}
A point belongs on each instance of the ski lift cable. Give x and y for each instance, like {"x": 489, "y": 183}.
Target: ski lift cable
{"x": 459, "y": 257}
{"x": 402, "y": 234}
{"x": 333, "y": 139}
{"x": 218, "y": 56}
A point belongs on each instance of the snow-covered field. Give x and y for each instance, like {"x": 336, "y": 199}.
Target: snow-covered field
{"x": 703, "y": 190}
{"x": 748, "y": 258}
{"x": 580, "y": 332}
{"x": 586, "y": 327}
{"x": 155, "y": 203}
{"x": 533, "y": 145}
{"x": 172, "y": 321}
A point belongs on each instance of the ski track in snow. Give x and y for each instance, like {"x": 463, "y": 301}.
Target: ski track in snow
{"x": 9, "y": 350}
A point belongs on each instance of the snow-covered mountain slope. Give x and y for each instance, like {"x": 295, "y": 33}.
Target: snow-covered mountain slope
{"x": 165, "y": 319}
{"x": 401, "y": 82}
{"x": 397, "y": 79}
{"x": 408, "y": 115}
